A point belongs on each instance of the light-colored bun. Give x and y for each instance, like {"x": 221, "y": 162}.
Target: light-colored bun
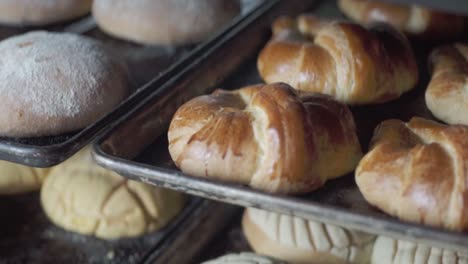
{"x": 54, "y": 83}
{"x": 265, "y": 136}
{"x": 297, "y": 240}
{"x": 244, "y": 258}
{"x": 411, "y": 19}
{"x": 41, "y": 12}
{"x": 17, "y": 179}
{"x": 169, "y": 22}
{"x": 421, "y": 165}
{"x": 353, "y": 64}
{"x": 446, "y": 95}
{"x": 82, "y": 197}
{"x": 391, "y": 251}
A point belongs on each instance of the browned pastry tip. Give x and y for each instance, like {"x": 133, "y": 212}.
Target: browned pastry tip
{"x": 421, "y": 165}
{"x": 446, "y": 94}
{"x": 411, "y": 19}
{"x": 353, "y": 64}
{"x": 265, "y": 136}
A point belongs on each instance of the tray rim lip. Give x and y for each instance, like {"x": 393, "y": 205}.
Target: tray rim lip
{"x": 292, "y": 205}
{"x": 35, "y": 155}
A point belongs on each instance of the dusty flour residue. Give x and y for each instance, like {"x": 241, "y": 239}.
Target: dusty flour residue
{"x": 53, "y": 74}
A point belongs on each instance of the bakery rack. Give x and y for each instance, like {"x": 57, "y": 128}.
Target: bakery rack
{"x": 143, "y": 155}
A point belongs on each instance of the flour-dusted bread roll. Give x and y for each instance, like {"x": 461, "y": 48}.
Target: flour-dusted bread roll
{"x": 167, "y": 22}
{"x": 355, "y": 65}
{"x": 266, "y": 136}
{"x": 411, "y": 19}
{"x": 244, "y": 258}
{"x": 41, "y": 12}
{"x": 391, "y": 251}
{"x": 17, "y": 179}
{"x": 447, "y": 94}
{"x": 82, "y": 197}
{"x": 54, "y": 83}
{"x": 297, "y": 240}
{"x": 421, "y": 165}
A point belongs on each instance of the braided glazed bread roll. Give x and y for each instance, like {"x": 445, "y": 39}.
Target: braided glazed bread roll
{"x": 353, "y": 64}
{"x": 422, "y": 166}
{"x": 390, "y": 251}
{"x": 447, "y": 92}
{"x": 265, "y": 136}
{"x": 297, "y": 240}
{"x": 411, "y": 19}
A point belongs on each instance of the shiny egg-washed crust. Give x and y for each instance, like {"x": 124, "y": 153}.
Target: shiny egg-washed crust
{"x": 297, "y": 240}
{"x": 411, "y": 19}
{"x": 421, "y": 165}
{"x": 391, "y": 251}
{"x": 447, "y": 93}
{"x": 265, "y": 136}
{"x": 355, "y": 65}
{"x": 41, "y": 12}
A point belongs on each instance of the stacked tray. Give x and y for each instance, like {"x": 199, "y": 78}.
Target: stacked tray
{"x": 149, "y": 66}
{"x": 144, "y": 154}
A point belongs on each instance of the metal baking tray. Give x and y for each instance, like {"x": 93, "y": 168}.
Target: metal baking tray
{"x": 339, "y": 202}
{"x": 149, "y": 66}
{"x": 27, "y": 236}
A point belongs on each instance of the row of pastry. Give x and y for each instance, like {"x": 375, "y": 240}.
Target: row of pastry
{"x": 286, "y": 239}
{"x": 296, "y": 132}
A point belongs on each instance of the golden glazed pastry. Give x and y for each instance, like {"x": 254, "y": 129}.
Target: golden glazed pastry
{"x": 447, "y": 93}
{"x": 82, "y": 197}
{"x": 391, "y": 251}
{"x": 411, "y": 19}
{"x": 244, "y": 258}
{"x": 17, "y": 179}
{"x": 353, "y": 64}
{"x": 297, "y": 240}
{"x": 41, "y": 12}
{"x": 168, "y": 22}
{"x": 265, "y": 136}
{"x": 421, "y": 165}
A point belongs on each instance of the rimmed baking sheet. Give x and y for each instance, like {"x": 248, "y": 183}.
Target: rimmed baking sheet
{"x": 339, "y": 202}
{"x": 149, "y": 67}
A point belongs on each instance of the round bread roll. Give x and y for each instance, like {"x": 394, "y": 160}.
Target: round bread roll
{"x": 411, "y": 19}
{"x": 17, "y": 179}
{"x": 168, "y": 22}
{"x": 355, "y": 65}
{"x": 41, "y": 12}
{"x": 266, "y": 136}
{"x": 82, "y": 197}
{"x": 447, "y": 95}
{"x": 244, "y": 258}
{"x": 297, "y": 240}
{"x": 54, "y": 83}
{"x": 390, "y": 251}
{"x": 421, "y": 165}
